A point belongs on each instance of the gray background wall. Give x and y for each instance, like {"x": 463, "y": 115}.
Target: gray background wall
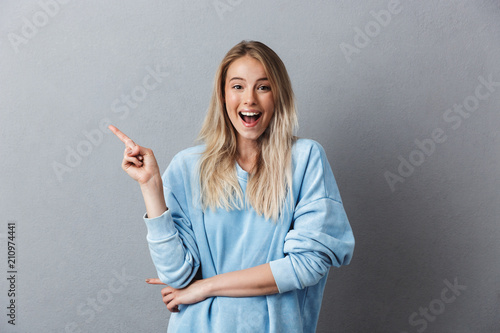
{"x": 427, "y": 249}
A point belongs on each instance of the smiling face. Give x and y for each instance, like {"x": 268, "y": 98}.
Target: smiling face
{"x": 249, "y": 99}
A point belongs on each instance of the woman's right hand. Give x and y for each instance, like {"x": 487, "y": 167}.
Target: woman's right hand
{"x": 138, "y": 162}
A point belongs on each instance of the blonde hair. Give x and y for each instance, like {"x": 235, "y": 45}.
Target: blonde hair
{"x": 271, "y": 178}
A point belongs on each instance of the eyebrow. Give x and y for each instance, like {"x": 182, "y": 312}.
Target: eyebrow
{"x": 242, "y": 79}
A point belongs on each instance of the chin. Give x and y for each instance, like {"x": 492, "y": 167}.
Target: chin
{"x": 250, "y": 137}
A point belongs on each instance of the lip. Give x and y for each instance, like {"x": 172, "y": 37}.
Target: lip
{"x": 252, "y": 124}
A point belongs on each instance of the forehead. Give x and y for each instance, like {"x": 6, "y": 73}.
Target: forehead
{"x": 246, "y": 67}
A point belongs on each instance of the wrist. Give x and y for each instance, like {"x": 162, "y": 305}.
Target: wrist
{"x": 207, "y": 285}
{"x": 152, "y": 192}
{"x": 154, "y": 184}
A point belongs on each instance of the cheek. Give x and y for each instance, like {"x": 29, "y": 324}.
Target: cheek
{"x": 269, "y": 102}
{"x": 270, "y": 106}
{"x": 271, "y": 112}
{"x": 231, "y": 99}
{"x": 231, "y": 108}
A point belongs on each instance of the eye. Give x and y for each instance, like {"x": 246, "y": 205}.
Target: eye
{"x": 237, "y": 86}
{"x": 265, "y": 88}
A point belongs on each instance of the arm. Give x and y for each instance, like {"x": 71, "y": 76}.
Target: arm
{"x": 170, "y": 236}
{"x": 140, "y": 164}
{"x": 254, "y": 281}
{"x": 321, "y": 235}
{"x": 310, "y": 249}
{"x": 154, "y": 199}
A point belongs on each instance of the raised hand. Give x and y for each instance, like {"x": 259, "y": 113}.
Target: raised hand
{"x": 140, "y": 164}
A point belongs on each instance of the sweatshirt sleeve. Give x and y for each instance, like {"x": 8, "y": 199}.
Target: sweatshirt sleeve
{"x": 320, "y": 235}
{"x": 171, "y": 240}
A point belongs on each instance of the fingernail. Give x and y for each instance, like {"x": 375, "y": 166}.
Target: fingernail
{"x": 147, "y": 280}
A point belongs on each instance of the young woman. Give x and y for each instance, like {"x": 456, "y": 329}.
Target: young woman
{"x": 244, "y": 227}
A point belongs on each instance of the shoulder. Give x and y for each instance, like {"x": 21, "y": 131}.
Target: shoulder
{"x": 188, "y": 155}
{"x": 312, "y": 171}
{"x": 184, "y": 162}
{"x": 303, "y": 143}
{"x": 305, "y": 149}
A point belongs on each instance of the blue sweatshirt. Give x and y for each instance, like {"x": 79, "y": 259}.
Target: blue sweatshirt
{"x": 309, "y": 238}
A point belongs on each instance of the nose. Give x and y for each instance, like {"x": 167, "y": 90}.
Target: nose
{"x": 249, "y": 97}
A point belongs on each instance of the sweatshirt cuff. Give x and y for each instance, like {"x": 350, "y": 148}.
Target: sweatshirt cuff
{"x": 284, "y": 274}
{"x": 160, "y": 227}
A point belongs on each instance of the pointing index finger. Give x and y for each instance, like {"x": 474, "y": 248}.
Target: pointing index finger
{"x": 125, "y": 139}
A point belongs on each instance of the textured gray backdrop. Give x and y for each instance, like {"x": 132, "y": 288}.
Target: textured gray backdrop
{"x": 403, "y": 95}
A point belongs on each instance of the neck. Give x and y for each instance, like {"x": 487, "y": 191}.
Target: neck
{"x": 248, "y": 150}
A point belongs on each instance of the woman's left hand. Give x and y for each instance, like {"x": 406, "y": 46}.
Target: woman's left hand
{"x": 194, "y": 293}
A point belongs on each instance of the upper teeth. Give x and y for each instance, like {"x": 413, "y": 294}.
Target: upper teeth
{"x": 249, "y": 113}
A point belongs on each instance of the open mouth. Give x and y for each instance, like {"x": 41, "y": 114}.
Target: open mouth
{"x": 249, "y": 117}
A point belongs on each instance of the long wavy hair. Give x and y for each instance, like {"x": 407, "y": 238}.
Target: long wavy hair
{"x": 270, "y": 180}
